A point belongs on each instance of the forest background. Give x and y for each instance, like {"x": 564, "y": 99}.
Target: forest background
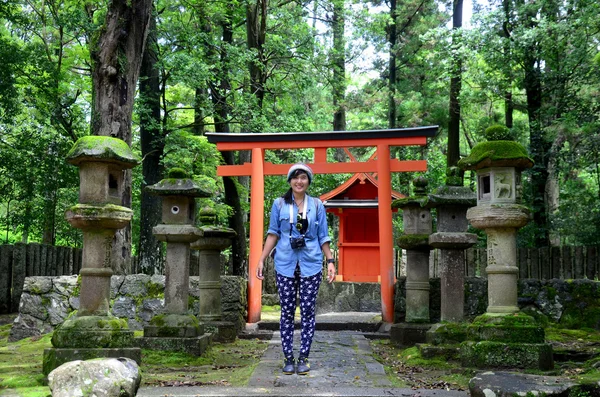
{"x": 279, "y": 66}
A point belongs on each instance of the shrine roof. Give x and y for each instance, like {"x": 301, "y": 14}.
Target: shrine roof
{"x": 331, "y": 202}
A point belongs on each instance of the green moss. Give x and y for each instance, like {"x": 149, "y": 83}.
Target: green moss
{"x": 77, "y": 289}
{"x": 413, "y": 241}
{"x": 497, "y": 133}
{"x": 488, "y": 354}
{"x": 102, "y": 148}
{"x": 416, "y": 201}
{"x": 154, "y": 290}
{"x": 178, "y": 173}
{"x": 496, "y": 153}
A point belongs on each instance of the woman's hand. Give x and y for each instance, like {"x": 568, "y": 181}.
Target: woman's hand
{"x": 330, "y": 273}
{"x": 259, "y": 270}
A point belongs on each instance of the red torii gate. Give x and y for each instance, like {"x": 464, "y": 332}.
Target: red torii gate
{"x": 320, "y": 142}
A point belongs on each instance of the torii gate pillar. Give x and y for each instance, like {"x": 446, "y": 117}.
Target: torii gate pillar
{"x": 257, "y": 191}
{"x": 386, "y": 244}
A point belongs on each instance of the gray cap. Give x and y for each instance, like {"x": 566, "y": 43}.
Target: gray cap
{"x": 300, "y": 167}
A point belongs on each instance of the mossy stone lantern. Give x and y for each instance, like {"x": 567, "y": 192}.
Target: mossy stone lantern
{"x": 416, "y": 215}
{"x": 502, "y": 329}
{"x": 101, "y": 161}
{"x": 498, "y": 165}
{"x": 178, "y": 193}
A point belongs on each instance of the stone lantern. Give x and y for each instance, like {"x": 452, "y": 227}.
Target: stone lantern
{"x": 93, "y": 331}
{"x": 416, "y": 215}
{"x": 499, "y": 213}
{"x": 213, "y": 241}
{"x": 451, "y": 202}
{"x": 177, "y": 229}
{"x": 502, "y": 331}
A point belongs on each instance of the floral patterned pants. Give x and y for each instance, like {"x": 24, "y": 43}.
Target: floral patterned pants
{"x": 288, "y": 288}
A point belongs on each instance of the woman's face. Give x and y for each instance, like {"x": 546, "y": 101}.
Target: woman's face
{"x": 299, "y": 183}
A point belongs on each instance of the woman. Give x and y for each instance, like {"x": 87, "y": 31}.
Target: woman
{"x": 298, "y": 231}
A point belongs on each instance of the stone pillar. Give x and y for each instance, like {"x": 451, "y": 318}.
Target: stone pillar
{"x": 452, "y": 202}
{"x": 415, "y": 240}
{"x": 502, "y": 329}
{"x": 176, "y": 329}
{"x": 93, "y": 331}
{"x": 214, "y": 240}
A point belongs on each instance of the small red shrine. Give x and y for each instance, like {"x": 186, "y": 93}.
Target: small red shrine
{"x": 355, "y": 203}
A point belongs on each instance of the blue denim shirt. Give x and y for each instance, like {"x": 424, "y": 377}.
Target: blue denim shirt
{"x": 309, "y": 258}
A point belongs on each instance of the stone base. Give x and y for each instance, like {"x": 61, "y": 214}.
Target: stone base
{"x": 487, "y": 354}
{"x": 153, "y": 331}
{"x": 223, "y": 331}
{"x": 519, "y": 328}
{"x": 447, "y": 333}
{"x": 408, "y": 334}
{"x": 449, "y": 352}
{"x": 195, "y": 346}
{"x": 92, "y": 332}
{"x": 55, "y": 357}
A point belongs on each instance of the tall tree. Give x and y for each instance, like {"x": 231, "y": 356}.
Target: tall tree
{"x": 455, "y": 85}
{"x": 116, "y": 60}
{"x": 338, "y": 60}
{"x": 153, "y": 145}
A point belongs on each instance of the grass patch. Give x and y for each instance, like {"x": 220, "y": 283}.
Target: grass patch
{"x": 406, "y": 368}
{"x": 21, "y": 365}
{"x": 556, "y": 334}
{"x": 222, "y": 364}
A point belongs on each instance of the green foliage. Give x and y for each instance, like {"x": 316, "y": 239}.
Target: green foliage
{"x": 497, "y": 133}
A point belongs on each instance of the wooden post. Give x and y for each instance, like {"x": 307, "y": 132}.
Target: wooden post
{"x": 6, "y": 252}
{"x": 257, "y": 189}
{"x": 578, "y": 262}
{"x": 18, "y": 275}
{"x": 386, "y": 244}
{"x": 523, "y": 266}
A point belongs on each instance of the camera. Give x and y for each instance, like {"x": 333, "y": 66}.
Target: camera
{"x": 297, "y": 242}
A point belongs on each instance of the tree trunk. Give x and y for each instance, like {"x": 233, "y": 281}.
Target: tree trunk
{"x": 152, "y": 145}
{"x": 256, "y": 30}
{"x": 339, "y": 66}
{"x": 116, "y": 59}
{"x": 455, "y": 86}
{"x": 508, "y": 101}
{"x": 392, "y": 113}
{"x": 552, "y": 185}
{"x": 538, "y": 148}
{"x": 220, "y": 95}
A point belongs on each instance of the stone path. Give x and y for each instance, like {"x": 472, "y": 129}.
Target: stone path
{"x": 342, "y": 364}
{"x": 337, "y": 359}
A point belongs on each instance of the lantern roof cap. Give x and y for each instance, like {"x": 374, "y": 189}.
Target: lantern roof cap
{"x": 102, "y": 149}
{"x": 178, "y": 184}
{"x": 496, "y": 154}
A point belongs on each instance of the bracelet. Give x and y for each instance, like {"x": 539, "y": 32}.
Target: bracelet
{"x": 331, "y": 260}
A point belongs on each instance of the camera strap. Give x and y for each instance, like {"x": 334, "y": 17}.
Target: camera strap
{"x": 292, "y": 219}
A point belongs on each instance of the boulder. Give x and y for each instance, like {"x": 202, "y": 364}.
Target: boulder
{"x": 102, "y": 377}
{"x": 509, "y": 384}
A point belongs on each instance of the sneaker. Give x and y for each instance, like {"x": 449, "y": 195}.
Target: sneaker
{"x": 303, "y": 366}
{"x": 289, "y": 366}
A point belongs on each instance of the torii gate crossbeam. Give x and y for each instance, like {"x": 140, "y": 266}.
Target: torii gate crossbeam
{"x": 321, "y": 141}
